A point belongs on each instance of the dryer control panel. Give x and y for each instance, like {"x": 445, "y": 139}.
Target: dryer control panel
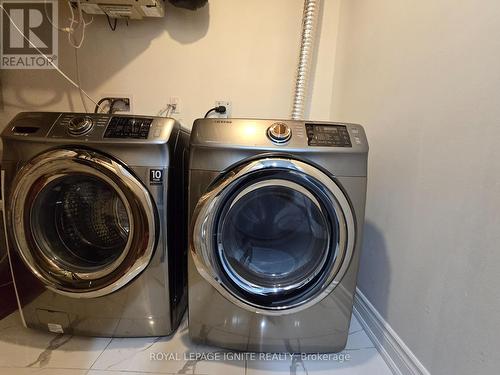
{"x": 276, "y": 134}
{"x": 328, "y": 135}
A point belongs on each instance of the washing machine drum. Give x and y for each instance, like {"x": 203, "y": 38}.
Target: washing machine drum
{"x": 82, "y": 223}
{"x": 90, "y": 222}
{"x": 274, "y": 235}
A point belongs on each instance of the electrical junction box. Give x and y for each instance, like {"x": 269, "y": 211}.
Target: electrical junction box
{"x": 129, "y": 9}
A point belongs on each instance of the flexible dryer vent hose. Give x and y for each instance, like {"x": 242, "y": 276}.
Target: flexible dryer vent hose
{"x": 309, "y": 20}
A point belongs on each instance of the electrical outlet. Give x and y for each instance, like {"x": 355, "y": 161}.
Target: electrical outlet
{"x": 229, "y": 108}
{"x": 123, "y": 103}
{"x": 175, "y": 101}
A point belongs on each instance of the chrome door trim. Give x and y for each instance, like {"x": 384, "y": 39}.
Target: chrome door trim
{"x": 8, "y": 248}
{"x": 202, "y": 230}
{"x": 274, "y": 182}
{"x": 55, "y": 164}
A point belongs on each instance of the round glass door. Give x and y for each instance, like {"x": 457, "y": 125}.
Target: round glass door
{"x": 275, "y": 235}
{"x": 89, "y": 223}
{"x": 81, "y": 222}
{"x": 274, "y": 238}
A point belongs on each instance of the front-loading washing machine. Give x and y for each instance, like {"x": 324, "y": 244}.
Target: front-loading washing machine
{"x": 94, "y": 217}
{"x": 276, "y": 210}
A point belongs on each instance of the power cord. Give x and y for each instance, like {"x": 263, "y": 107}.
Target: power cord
{"x": 219, "y": 109}
{"x": 112, "y": 26}
{"x": 167, "y": 111}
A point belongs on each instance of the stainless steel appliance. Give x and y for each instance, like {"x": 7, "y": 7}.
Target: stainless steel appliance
{"x": 94, "y": 220}
{"x": 277, "y": 211}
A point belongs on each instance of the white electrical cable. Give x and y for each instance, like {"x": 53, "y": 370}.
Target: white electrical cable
{"x": 47, "y": 58}
{"x": 167, "y": 111}
{"x": 78, "y": 81}
{"x": 64, "y": 30}
{"x": 71, "y": 30}
{"x": 81, "y": 23}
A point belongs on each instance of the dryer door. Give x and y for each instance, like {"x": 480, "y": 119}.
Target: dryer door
{"x": 274, "y": 236}
{"x": 82, "y": 223}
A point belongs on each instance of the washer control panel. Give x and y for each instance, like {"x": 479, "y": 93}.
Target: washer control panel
{"x": 80, "y": 128}
{"x": 328, "y": 135}
{"x": 98, "y": 126}
{"x": 128, "y": 127}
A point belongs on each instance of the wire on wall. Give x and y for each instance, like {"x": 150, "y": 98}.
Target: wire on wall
{"x": 112, "y": 26}
{"x": 167, "y": 111}
{"x": 79, "y": 82}
{"x": 64, "y": 75}
{"x": 63, "y": 29}
{"x": 70, "y": 31}
{"x": 80, "y": 24}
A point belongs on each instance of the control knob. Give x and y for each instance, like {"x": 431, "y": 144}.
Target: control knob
{"x": 279, "y": 132}
{"x": 80, "y": 125}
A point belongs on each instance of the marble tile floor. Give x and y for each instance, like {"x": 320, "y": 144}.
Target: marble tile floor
{"x": 25, "y": 351}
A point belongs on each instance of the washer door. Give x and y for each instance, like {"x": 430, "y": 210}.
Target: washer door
{"x": 274, "y": 236}
{"x": 82, "y": 223}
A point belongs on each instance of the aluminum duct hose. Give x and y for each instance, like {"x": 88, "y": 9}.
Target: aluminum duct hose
{"x": 311, "y": 10}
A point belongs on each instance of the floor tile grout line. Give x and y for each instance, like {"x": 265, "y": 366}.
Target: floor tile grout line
{"x": 100, "y": 354}
{"x": 362, "y": 348}
{"x": 140, "y": 372}
{"x": 45, "y": 367}
{"x": 98, "y": 370}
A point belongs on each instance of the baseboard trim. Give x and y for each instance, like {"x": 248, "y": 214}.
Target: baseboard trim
{"x": 392, "y": 348}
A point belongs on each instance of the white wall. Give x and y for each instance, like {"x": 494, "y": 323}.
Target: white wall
{"x": 244, "y": 51}
{"x": 424, "y": 79}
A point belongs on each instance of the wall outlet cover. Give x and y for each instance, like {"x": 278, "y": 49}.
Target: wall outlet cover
{"x": 229, "y": 108}
{"x": 116, "y": 95}
{"x": 175, "y": 101}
